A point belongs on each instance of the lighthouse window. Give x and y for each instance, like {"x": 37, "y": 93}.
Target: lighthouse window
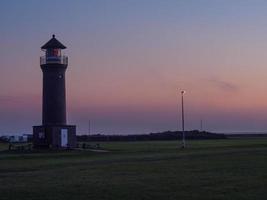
{"x": 56, "y": 52}
{"x": 53, "y": 52}
{"x": 41, "y": 135}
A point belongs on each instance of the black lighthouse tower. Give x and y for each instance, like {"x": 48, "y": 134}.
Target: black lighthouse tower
{"x": 54, "y": 131}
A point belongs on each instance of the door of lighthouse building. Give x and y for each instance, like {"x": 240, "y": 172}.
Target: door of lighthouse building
{"x": 64, "y": 137}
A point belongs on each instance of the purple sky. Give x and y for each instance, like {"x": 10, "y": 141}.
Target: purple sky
{"x": 128, "y": 60}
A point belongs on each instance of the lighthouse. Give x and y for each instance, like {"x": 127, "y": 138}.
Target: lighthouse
{"x": 54, "y": 131}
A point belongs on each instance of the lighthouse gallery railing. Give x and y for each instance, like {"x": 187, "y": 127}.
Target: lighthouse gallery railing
{"x": 54, "y": 60}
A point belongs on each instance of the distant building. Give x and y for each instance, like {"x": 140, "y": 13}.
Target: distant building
{"x": 17, "y": 138}
{"x": 54, "y": 131}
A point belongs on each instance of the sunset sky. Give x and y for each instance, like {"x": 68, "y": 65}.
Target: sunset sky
{"x": 129, "y": 60}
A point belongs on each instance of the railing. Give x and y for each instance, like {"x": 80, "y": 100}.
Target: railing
{"x": 54, "y": 60}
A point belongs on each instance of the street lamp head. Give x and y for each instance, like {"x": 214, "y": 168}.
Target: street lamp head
{"x": 183, "y": 92}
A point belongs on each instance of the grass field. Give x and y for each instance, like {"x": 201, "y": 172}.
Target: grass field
{"x": 210, "y": 169}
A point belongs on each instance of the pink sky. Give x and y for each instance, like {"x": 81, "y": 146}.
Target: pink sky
{"x": 128, "y": 60}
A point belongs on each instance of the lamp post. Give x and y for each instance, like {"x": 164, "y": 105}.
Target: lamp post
{"x": 89, "y": 127}
{"x": 183, "y": 136}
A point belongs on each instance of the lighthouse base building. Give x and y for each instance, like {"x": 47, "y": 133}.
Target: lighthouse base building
{"x": 52, "y": 136}
{"x": 54, "y": 131}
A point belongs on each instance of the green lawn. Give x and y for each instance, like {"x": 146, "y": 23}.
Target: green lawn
{"x": 211, "y": 169}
